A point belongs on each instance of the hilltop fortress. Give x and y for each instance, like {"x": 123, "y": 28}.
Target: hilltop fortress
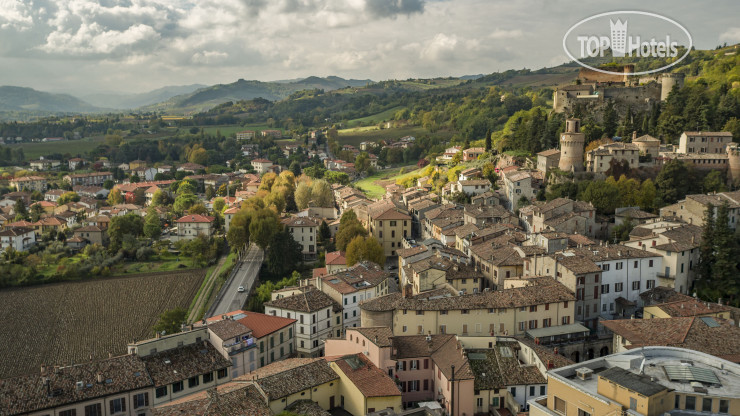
{"x": 595, "y": 89}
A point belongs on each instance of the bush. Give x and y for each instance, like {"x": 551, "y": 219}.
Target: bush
{"x": 144, "y": 253}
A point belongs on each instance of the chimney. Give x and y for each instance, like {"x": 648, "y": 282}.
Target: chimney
{"x": 158, "y": 335}
{"x": 634, "y": 135}
{"x": 43, "y": 367}
{"x": 99, "y": 378}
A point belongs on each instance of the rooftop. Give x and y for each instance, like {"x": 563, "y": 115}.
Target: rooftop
{"x": 361, "y": 276}
{"x": 378, "y": 335}
{"x": 369, "y": 379}
{"x": 230, "y": 399}
{"x": 308, "y": 301}
{"x": 290, "y": 376}
{"x": 260, "y": 324}
{"x": 499, "y": 367}
{"x": 181, "y": 363}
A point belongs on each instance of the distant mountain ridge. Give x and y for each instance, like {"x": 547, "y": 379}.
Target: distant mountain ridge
{"x": 208, "y": 97}
{"x": 131, "y": 101}
{"x": 27, "y": 99}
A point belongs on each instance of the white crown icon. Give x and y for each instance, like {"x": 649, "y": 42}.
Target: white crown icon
{"x": 619, "y": 37}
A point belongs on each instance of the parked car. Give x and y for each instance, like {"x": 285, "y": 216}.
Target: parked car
{"x": 241, "y": 289}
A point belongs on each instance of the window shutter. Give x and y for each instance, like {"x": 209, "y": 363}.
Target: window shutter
{"x": 426, "y": 364}
{"x": 146, "y": 399}
{"x": 112, "y": 409}
{"x": 123, "y": 404}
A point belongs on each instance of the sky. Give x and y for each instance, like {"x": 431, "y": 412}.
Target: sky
{"x": 85, "y": 46}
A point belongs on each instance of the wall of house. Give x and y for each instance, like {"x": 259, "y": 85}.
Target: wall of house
{"x": 320, "y": 394}
{"x": 390, "y": 233}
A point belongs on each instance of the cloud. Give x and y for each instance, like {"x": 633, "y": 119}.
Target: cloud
{"x": 209, "y": 57}
{"x": 14, "y": 14}
{"x": 393, "y": 8}
{"x": 731, "y": 35}
{"x": 92, "y": 38}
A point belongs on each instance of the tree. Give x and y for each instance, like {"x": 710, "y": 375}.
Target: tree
{"x": 706, "y": 248}
{"x": 646, "y": 197}
{"x": 303, "y": 195}
{"x": 264, "y": 225}
{"x": 238, "y": 234}
{"x": 321, "y": 194}
{"x": 120, "y": 226}
{"x": 139, "y": 196}
{"x": 362, "y": 162}
{"x": 284, "y": 253}
{"x": 339, "y": 177}
{"x": 115, "y": 197}
{"x": 349, "y": 228}
{"x": 295, "y": 167}
{"x": 488, "y": 141}
{"x": 161, "y": 198}
{"x": 714, "y": 182}
{"x": 36, "y": 212}
{"x": 673, "y": 182}
{"x": 152, "y": 226}
{"x": 185, "y": 198}
{"x": 604, "y": 195}
{"x": 20, "y": 208}
{"x": 210, "y": 192}
{"x": 218, "y": 205}
{"x": 324, "y": 232}
{"x": 365, "y": 249}
{"x": 171, "y": 321}
{"x": 108, "y": 184}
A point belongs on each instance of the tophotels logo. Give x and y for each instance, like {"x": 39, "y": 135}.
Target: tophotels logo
{"x": 631, "y": 34}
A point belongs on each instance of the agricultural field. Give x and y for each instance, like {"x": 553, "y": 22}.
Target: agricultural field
{"x": 232, "y": 129}
{"x": 374, "y": 186}
{"x": 65, "y": 323}
{"x": 375, "y": 118}
{"x": 36, "y": 149}
{"x": 373, "y": 134}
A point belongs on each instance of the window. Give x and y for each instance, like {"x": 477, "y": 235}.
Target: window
{"x": 404, "y": 328}
{"x": 207, "y": 378}
{"x": 414, "y": 364}
{"x": 633, "y": 403}
{"x": 559, "y": 405}
{"x": 443, "y": 329}
{"x": 618, "y": 287}
{"x": 533, "y": 324}
{"x": 636, "y": 285}
{"x": 635, "y": 264}
{"x": 94, "y": 410}
{"x": 583, "y": 413}
{"x": 542, "y": 390}
{"x": 690, "y": 403}
{"x": 178, "y": 387}
{"x": 464, "y": 311}
{"x": 619, "y": 265}
{"x": 706, "y": 404}
{"x": 566, "y": 320}
{"x": 479, "y": 402}
{"x": 533, "y": 308}
{"x": 222, "y": 373}
{"x": 70, "y": 412}
{"x": 522, "y": 326}
{"x": 677, "y": 403}
{"x": 650, "y": 263}
{"x": 118, "y": 405}
{"x": 650, "y": 284}
{"x": 160, "y": 392}
{"x": 724, "y": 406}
{"x": 193, "y": 382}
{"x": 605, "y": 288}
{"x": 494, "y": 402}
{"x": 513, "y": 392}
{"x": 140, "y": 400}
{"x": 531, "y": 390}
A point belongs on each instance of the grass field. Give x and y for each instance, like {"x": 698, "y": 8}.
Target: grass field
{"x": 68, "y": 323}
{"x": 375, "y": 118}
{"x": 35, "y": 150}
{"x": 229, "y": 130}
{"x": 372, "y": 188}
{"x": 374, "y": 134}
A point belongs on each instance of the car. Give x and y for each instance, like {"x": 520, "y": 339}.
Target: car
{"x": 241, "y": 289}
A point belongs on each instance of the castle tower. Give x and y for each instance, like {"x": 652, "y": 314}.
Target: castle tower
{"x": 572, "y": 142}
{"x": 667, "y": 81}
{"x": 733, "y": 161}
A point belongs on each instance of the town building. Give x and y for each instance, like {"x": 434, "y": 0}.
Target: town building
{"x": 693, "y": 208}
{"x": 547, "y": 160}
{"x": 704, "y": 142}
{"x": 389, "y": 224}
{"x": 245, "y": 135}
{"x": 29, "y": 184}
{"x": 193, "y": 225}
{"x": 318, "y": 317}
{"x": 600, "y": 160}
{"x": 645, "y": 381}
{"x": 88, "y": 179}
{"x": 473, "y": 153}
{"x": 261, "y": 165}
{"x": 304, "y": 231}
{"x": 17, "y": 238}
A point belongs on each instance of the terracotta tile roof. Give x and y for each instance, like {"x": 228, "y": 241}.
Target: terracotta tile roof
{"x": 722, "y": 340}
{"x": 260, "y": 324}
{"x": 378, "y": 335}
{"x": 415, "y": 346}
{"x": 299, "y": 222}
{"x": 369, "y": 379}
{"x": 336, "y": 258}
{"x": 181, "y": 363}
{"x": 15, "y": 231}
{"x": 451, "y": 353}
{"x": 407, "y": 252}
{"x": 545, "y": 354}
{"x": 545, "y": 290}
{"x": 29, "y": 393}
{"x": 662, "y": 294}
{"x": 308, "y": 301}
{"x": 636, "y": 214}
{"x": 691, "y": 307}
{"x": 89, "y": 228}
{"x": 646, "y": 138}
{"x": 576, "y": 264}
{"x": 318, "y": 272}
{"x": 228, "y": 328}
{"x": 358, "y": 277}
{"x": 499, "y": 367}
{"x": 290, "y": 376}
{"x": 230, "y": 399}
{"x": 550, "y": 152}
{"x": 192, "y": 218}
{"x": 307, "y": 408}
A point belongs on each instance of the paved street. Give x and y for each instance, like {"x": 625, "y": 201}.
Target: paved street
{"x": 230, "y": 299}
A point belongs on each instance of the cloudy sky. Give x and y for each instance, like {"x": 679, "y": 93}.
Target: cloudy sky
{"x": 85, "y": 46}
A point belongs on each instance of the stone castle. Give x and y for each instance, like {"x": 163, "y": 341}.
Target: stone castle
{"x": 595, "y": 89}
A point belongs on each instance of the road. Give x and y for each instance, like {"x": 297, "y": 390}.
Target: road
{"x": 229, "y": 298}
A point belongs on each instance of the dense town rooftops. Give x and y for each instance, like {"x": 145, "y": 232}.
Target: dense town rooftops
{"x": 307, "y": 302}
{"x": 31, "y": 393}
{"x": 544, "y": 290}
{"x": 290, "y": 376}
{"x": 691, "y": 307}
{"x": 181, "y": 363}
{"x": 335, "y": 258}
{"x": 230, "y": 399}
{"x": 710, "y": 335}
{"x": 369, "y": 379}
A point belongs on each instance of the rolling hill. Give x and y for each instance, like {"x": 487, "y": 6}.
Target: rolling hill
{"x": 129, "y": 101}
{"x": 20, "y": 99}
